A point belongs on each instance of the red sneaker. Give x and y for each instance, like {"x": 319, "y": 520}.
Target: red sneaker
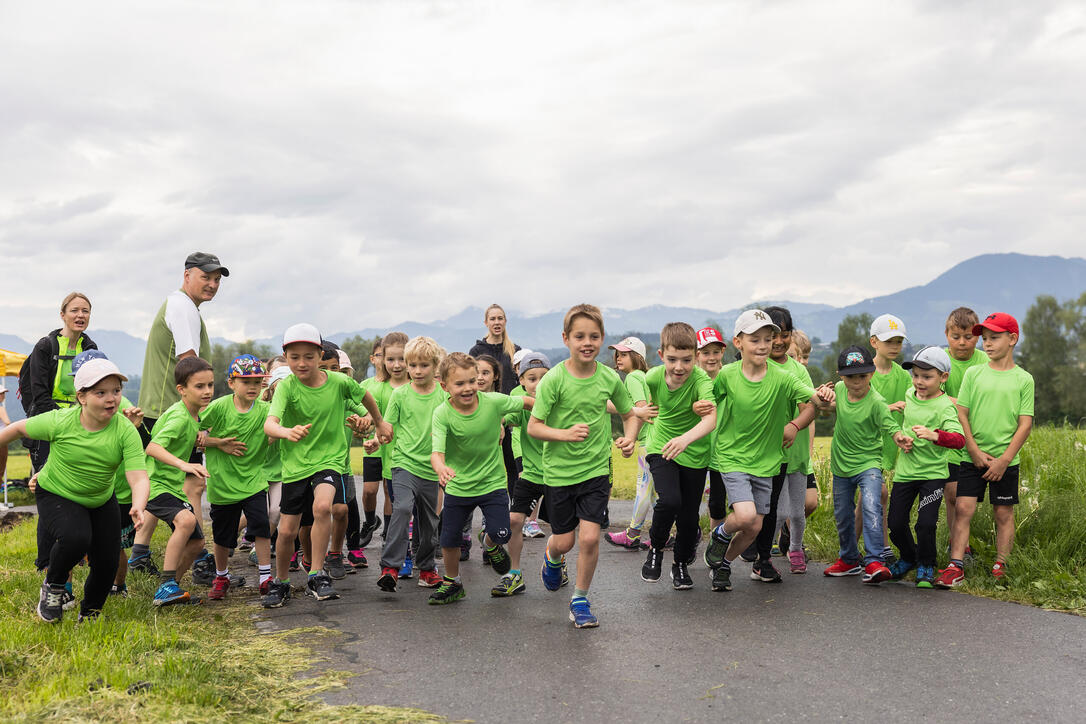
{"x": 388, "y": 578}
{"x": 429, "y": 579}
{"x": 999, "y": 571}
{"x": 840, "y": 568}
{"x": 875, "y": 573}
{"x": 950, "y": 577}
{"x": 219, "y": 587}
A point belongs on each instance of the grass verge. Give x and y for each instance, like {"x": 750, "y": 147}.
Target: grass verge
{"x": 137, "y": 663}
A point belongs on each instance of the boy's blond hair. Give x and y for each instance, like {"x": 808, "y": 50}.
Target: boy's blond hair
{"x": 962, "y": 318}
{"x": 588, "y": 311}
{"x": 459, "y": 360}
{"x": 678, "y": 335}
{"x": 423, "y": 349}
{"x": 801, "y": 341}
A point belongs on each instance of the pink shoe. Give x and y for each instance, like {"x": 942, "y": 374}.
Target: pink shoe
{"x": 622, "y": 540}
{"x": 798, "y": 561}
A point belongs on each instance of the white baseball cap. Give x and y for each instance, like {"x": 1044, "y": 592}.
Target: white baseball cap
{"x": 519, "y": 355}
{"x": 629, "y": 344}
{"x": 94, "y": 371}
{"x": 930, "y": 358}
{"x": 2, "y": 388}
{"x": 278, "y": 374}
{"x": 301, "y": 333}
{"x": 887, "y": 326}
{"x": 344, "y": 360}
{"x": 751, "y": 321}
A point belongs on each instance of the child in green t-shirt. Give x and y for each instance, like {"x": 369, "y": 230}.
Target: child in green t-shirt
{"x": 172, "y": 440}
{"x": 679, "y": 451}
{"x": 570, "y": 417}
{"x": 414, "y": 482}
{"x": 856, "y": 454}
{"x": 710, "y": 357}
{"x": 758, "y": 399}
{"x": 307, "y": 415}
{"x": 467, "y": 458}
{"x": 394, "y": 375}
{"x": 236, "y": 451}
{"x": 931, "y": 424}
{"x": 962, "y": 348}
{"x": 995, "y": 407}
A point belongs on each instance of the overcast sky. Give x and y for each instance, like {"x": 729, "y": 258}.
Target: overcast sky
{"x": 358, "y": 164}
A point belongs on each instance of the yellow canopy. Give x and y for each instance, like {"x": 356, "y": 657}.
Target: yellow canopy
{"x": 10, "y": 363}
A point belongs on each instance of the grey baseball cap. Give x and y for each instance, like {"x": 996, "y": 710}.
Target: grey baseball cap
{"x": 205, "y": 262}
{"x": 930, "y": 358}
{"x": 533, "y": 360}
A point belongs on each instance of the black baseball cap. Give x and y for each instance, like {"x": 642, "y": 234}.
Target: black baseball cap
{"x": 205, "y": 262}
{"x": 855, "y": 361}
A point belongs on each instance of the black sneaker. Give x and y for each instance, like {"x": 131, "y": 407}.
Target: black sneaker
{"x": 765, "y": 572}
{"x": 498, "y": 559}
{"x": 367, "y": 531}
{"x": 203, "y": 570}
{"x": 722, "y": 579}
{"x": 88, "y": 616}
{"x": 653, "y": 562}
{"x": 750, "y": 554}
{"x": 784, "y": 542}
{"x": 465, "y": 550}
{"x": 320, "y": 588}
{"x": 50, "y": 608}
{"x": 278, "y": 594}
{"x": 447, "y": 592}
{"x": 143, "y": 564}
{"x": 680, "y": 577}
{"x": 67, "y": 600}
{"x": 333, "y": 566}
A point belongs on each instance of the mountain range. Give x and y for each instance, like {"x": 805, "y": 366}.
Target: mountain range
{"x": 987, "y": 283}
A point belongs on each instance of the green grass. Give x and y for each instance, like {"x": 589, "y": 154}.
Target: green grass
{"x": 1048, "y": 563}
{"x": 183, "y": 664}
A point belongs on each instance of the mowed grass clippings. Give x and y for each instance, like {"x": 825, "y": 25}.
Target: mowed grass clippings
{"x": 204, "y": 663}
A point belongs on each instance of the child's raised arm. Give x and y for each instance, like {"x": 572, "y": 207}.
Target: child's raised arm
{"x": 275, "y": 431}
{"x": 541, "y": 431}
{"x": 631, "y": 425}
{"x": 676, "y": 445}
{"x": 164, "y": 456}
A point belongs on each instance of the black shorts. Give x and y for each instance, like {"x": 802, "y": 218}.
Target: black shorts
{"x": 371, "y": 470}
{"x": 972, "y": 485}
{"x": 568, "y": 505}
{"x": 225, "y": 519}
{"x": 297, "y": 497}
{"x": 165, "y": 506}
{"x": 525, "y": 495}
{"x": 456, "y": 512}
{"x": 811, "y": 484}
{"x": 954, "y": 471}
{"x": 128, "y": 529}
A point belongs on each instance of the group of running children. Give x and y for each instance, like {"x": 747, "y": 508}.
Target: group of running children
{"x": 948, "y": 423}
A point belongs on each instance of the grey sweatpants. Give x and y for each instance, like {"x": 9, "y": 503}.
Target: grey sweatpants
{"x": 410, "y": 492}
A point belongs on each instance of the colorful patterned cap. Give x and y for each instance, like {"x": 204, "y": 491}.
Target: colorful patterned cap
{"x": 855, "y": 361}
{"x": 247, "y": 365}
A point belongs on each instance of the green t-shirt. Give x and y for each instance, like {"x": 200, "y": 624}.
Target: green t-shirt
{"x": 234, "y": 478}
{"x": 750, "y": 438}
{"x": 472, "y": 443}
{"x": 676, "y": 416}
{"x": 380, "y": 391}
{"x": 82, "y": 464}
{"x": 926, "y": 461}
{"x": 891, "y": 386}
{"x": 562, "y": 401}
{"x": 411, "y": 416}
{"x": 326, "y": 408}
{"x": 953, "y": 386}
{"x": 386, "y": 450}
{"x": 514, "y": 433}
{"x": 175, "y": 431}
{"x": 798, "y": 457}
{"x": 121, "y": 488}
{"x": 635, "y": 385}
{"x": 531, "y": 448}
{"x": 859, "y": 431}
{"x": 995, "y": 399}
{"x": 157, "y": 390}
{"x": 273, "y": 466}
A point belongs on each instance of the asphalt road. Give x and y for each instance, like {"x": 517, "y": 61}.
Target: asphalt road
{"x": 810, "y": 648}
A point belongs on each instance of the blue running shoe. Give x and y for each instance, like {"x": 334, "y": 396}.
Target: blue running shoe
{"x": 900, "y": 568}
{"x": 170, "y": 593}
{"x": 925, "y": 576}
{"x": 553, "y": 574}
{"x": 408, "y": 566}
{"x": 580, "y": 613}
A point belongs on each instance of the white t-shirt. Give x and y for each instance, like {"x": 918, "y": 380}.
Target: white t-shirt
{"x": 183, "y": 319}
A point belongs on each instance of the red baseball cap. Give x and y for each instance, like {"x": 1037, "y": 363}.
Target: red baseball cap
{"x": 707, "y": 336}
{"x": 998, "y": 322}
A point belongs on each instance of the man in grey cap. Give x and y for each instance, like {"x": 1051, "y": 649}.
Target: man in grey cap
{"x": 177, "y": 332}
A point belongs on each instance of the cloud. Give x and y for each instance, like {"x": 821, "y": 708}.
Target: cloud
{"x": 359, "y": 164}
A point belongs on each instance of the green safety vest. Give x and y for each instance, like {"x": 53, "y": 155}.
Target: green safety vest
{"x": 64, "y": 383}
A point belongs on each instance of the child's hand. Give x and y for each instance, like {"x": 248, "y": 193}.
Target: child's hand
{"x": 370, "y": 446}
{"x": 903, "y": 441}
{"x": 137, "y": 517}
{"x": 703, "y": 407}
{"x": 625, "y": 445}
{"x": 897, "y": 406}
{"x": 924, "y": 433}
{"x": 577, "y": 433}
{"x": 646, "y": 413}
{"x": 384, "y": 432}
{"x": 233, "y": 446}
{"x": 32, "y": 484}
{"x": 134, "y": 415}
{"x": 995, "y": 470}
{"x": 826, "y": 394}
{"x": 201, "y": 439}
{"x": 789, "y": 435}
{"x": 195, "y": 469}
{"x": 674, "y": 448}
{"x": 298, "y": 432}
{"x": 444, "y": 475}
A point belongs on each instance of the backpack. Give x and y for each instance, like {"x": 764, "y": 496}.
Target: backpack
{"x": 24, "y": 394}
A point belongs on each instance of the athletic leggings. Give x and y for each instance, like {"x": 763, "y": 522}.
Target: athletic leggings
{"x": 79, "y": 531}
{"x": 764, "y": 541}
{"x": 718, "y": 496}
{"x": 646, "y": 492}
{"x": 354, "y": 525}
{"x": 680, "y": 489}
{"x": 902, "y": 495}
{"x": 791, "y": 503}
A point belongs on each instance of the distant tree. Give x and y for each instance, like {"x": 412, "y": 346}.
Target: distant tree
{"x": 359, "y": 350}
{"x": 1053, "y": 350}
{"x": 223, "y": 354}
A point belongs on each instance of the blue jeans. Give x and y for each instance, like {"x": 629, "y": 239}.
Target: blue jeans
{"x": 844, "y": 512}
